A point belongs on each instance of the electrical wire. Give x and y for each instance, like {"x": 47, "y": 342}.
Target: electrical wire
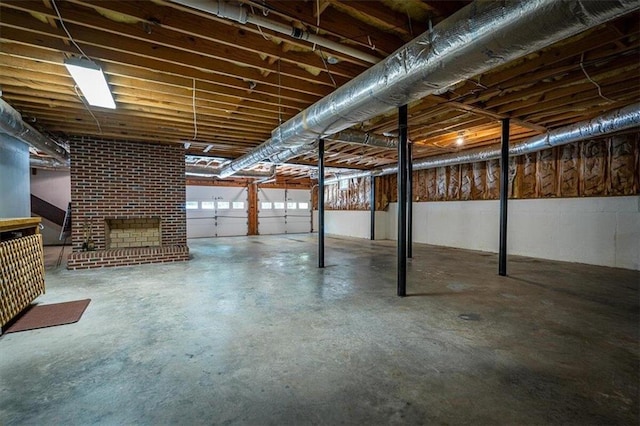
{"x": 86, "y": 105}
{"x": 259, "y": 27}
{"x": 594, "y": 83}
{"x": 317, "y": 22}
{"x": 75, "y": 87}
{"x": 279, "y": 94}
{"x": 195, "y": 116}
{"x": 64, "y": 27}
{"x": 326, "y": 67}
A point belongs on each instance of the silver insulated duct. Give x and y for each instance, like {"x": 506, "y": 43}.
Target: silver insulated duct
{"x": 12, "y": 124}
{"x": 212, "y": 172}
{"x": 475, "y": 39}
{"x": 279, "y": 155}
{"x": 611, "y": 122}
{"x": 47, "y": 163}
{"x": 346, "y": 136}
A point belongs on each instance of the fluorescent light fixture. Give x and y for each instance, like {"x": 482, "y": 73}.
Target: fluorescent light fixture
{"x": 89, "y": 77}
{"x": 208, "y": 148}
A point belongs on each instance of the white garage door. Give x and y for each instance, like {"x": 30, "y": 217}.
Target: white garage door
{"x": 214, "y": 211}
{"x": 284, "y": 211}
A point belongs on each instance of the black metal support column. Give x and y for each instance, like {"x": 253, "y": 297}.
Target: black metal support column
{"x": 372, "y": 203}
{"x": 321, "y": 203}
{"x": 402, "y": 201}
{"x": 504, "y": 195}
{"x": 409, "y": 200}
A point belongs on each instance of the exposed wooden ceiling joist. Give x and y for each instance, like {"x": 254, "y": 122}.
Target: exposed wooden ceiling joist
{"x": 173, "y": 69}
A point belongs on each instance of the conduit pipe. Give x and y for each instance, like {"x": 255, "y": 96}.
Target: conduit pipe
{"x": 477, "y": 38}
{"x": 12, "y": 124}
{"x": 611, "y": 122}
{"x": 239, "y": 14}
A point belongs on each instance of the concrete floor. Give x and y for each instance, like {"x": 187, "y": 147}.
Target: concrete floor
{"x": 252, "y": 332}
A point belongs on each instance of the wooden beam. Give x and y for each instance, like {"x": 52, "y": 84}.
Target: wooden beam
{"x": 26, "y": 45}
{"x": 203, "y": 55}
{"x": 335, "y": 24}
{"x": 218, "y": 30}
{"x": 321, "y": 5}
{"x": 379, "y": 16}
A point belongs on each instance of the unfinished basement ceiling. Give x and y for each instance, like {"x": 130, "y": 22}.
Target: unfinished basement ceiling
{"x": 185, "y": 76}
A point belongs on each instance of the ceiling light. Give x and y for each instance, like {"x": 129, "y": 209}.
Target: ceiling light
{"x": 187, "y": 145}
{"x": 460, "y": 139}
{"x": 89, "y": 77}
{"x": 332, "y": 60}
{"x": 208, "y": 148}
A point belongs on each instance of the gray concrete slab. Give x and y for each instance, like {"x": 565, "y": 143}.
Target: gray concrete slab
{"x": 251, "y": 332}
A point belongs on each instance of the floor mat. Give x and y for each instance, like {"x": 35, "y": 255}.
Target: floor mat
{"x": 40, "y": 316}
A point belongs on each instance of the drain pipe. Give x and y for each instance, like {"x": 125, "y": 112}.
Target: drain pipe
{"x": 476, "y": 39}
{"x": 611, "y": 122}
{"x": 12, "y": 124}
{"x": 239, "y": 14}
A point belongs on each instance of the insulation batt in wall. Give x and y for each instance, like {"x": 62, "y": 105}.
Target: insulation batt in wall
{"x": 592, "y": 168}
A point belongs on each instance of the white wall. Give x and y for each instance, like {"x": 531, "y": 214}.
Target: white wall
{"x": 599, "y": 231}
{"x": 14, "y": 178}
{"x": 53, "y": 186}
{"x": 352, "y": 223}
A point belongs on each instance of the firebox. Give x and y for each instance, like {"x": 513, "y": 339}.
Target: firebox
{"x": 132, "y": 232}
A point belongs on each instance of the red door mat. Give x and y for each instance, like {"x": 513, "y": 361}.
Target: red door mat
{"x": 40, "y": 316}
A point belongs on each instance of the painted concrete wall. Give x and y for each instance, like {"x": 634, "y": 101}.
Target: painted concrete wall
{"x": 15, "y": 200}
{"x": 352, "y": 223}
{"x": 598, "y": 231}
{"x": 53, "y": 186}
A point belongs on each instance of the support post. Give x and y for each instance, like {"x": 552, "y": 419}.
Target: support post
{"x": 410, "y": 200}
{"x": 402, "y": 201}
{"x": 252, "y": 210}
{"x": 372, "y": 206}
{"x": 504, "y": 195}
{"x": 321, "y": 203}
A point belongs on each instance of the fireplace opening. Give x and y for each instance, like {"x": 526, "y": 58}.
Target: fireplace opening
{"x": 132, "y": 232}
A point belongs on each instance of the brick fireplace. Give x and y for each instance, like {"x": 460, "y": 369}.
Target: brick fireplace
{"x": 127, "y": 201}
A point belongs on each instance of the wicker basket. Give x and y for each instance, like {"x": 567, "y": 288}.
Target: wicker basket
{"x": 21, "y": 274}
